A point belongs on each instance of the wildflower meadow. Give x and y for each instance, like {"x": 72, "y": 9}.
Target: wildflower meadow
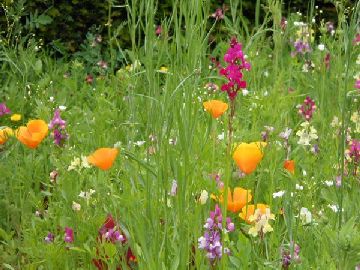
{"x": 207, "y": 141}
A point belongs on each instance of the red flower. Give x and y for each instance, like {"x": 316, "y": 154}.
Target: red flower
{"x": 110, "y": 232}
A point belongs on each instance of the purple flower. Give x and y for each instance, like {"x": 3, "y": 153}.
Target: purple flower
{"x": 338, "y": 181}
{"x": 58, "y": 125}
{"x": 307, "y": 108}
{"x": 330, "y": 27}
{"x": 69, "y": 235}
{"x": 218, "y": 14}
{"x": 301, "y": 47}
{"x": 287, "y": 258}
{"x": 211, "y": 240}
{"x": 4, "y": 110}
{"x": 57, "y": 121}
{"x": 49, "y": 238}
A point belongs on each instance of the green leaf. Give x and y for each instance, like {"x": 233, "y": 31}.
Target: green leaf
{"x": 38, "y": 66}
{"x": 44, "y": 19}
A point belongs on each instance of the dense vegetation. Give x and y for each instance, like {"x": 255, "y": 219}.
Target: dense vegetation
{"x": 118, "y": 151}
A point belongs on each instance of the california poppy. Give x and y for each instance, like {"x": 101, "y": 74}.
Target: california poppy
{"x": 103, "y": 158}
{"x": 248, "y": 156}
{"x": 249, "y": 210}
{"x": 4, "y": 134}
{"x": 236, "y": 200}
{"x": 215, "y": 107}
{"x": 289, "y": 165}
{"x": 33, "y": 134}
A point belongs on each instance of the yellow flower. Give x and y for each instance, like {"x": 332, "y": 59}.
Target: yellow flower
{"x": 15, "y": 117}
{"x": 164, "y": 69}
{"x": 261, "y": 222}
{"x": 5, "y": 133}
{"x": 248, "y": 155}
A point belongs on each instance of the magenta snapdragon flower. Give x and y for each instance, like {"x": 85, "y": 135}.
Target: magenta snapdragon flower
{"x": 4, "y": 109}
{"x": 235, "y": 59}
{"x": 69, "y": 235}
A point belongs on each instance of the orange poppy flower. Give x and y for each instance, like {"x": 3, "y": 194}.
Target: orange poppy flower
{"x": 249, "y": 210}
{"x": 33, "y": 134}
{"x": 237, "y": 200}
{"x": 5, "y": 133}
{"x": 103, "y": 158}
{"x": 289, "y": 165}
{"x": 248, "y": 155}
{"x": 215, "y": 107}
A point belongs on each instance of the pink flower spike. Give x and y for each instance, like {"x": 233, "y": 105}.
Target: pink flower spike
{"x": 69, "y": 235}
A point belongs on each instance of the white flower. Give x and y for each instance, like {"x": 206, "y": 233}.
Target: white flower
{"x": 117, "y": 144}
{"x": 266, "y": 73}
{"x": 307, "y": 134}
{"x": 51, "y": 99}
{"x": 329, "y": 183}
{"x": 355, "y": 118}
{"x": 278, "y": 194}
{"x": 358, "y": 60}
{"x": 204, "y": 195}
{"x": 139, "y": 143}
{"x": 221, "y": 136}
{"x": 334, "y": 207}
{"x": 86, "y": 194}
{"x": 245, "y": 92}
{"x": 305, "y": 216}
{"x": 335, "y": 122}
{"x": 285, "y": 134}
{"x": 62, "y": 108}
{"x": 172, "y": 141}
{"x": 74, "y": 163}
{"x": 321, "y": 47}
{"x": 76, "y": 206}
{"x": 299, "y": 187}
{"x": 84, "y": 162}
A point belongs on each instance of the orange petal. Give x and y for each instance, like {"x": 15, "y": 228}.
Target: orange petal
{"x": 289, "y": 165}
{"x": 215, "y": 107}
{"x": 236, "y": 200}
{"x": 103, "y": 158}
{"x": 25, "y": 137}
{"x": 248, "y": 155}
{"x": 38, "y": 128}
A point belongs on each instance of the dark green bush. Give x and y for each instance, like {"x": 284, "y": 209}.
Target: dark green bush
{"x": 65, "y": 23}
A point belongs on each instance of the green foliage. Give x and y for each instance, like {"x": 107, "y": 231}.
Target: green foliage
{"x": 157, "y": 118}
